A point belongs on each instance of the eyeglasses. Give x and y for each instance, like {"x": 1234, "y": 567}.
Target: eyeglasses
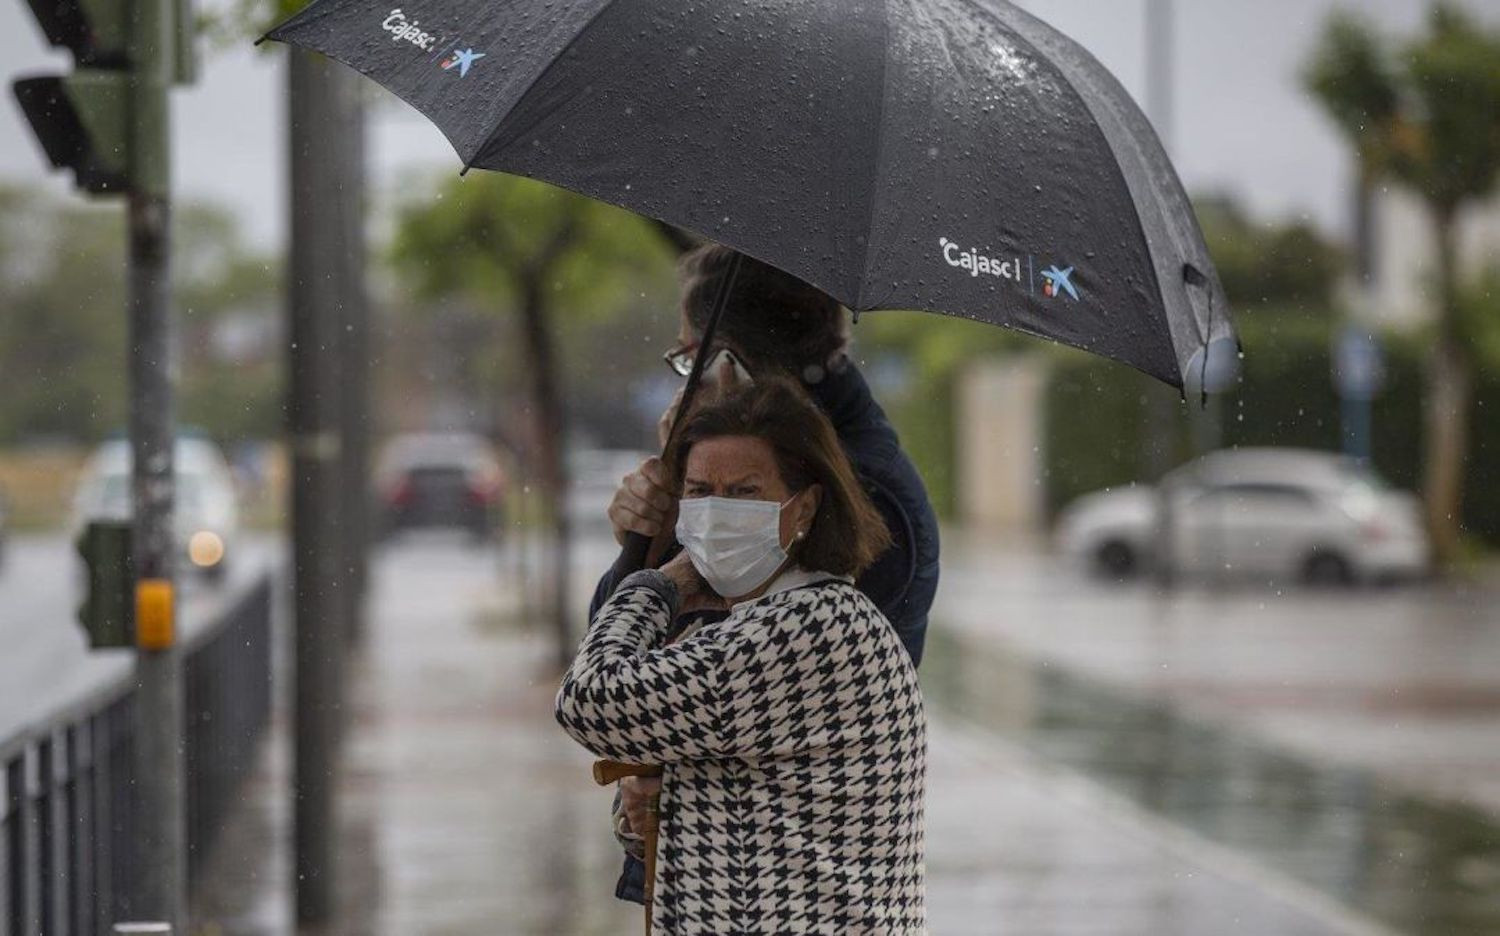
{"x": 680, "y": 359}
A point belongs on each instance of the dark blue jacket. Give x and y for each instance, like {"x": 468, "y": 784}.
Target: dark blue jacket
{"x": 903, "y": 581}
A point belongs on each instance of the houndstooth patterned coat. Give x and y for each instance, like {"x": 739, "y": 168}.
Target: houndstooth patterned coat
{"x": 794, "y": 745}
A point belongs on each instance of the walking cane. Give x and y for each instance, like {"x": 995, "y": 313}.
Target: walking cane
{"x": 607, "y": 772}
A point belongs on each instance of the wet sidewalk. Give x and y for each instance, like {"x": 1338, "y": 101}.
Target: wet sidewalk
{"x": 469, "y": 812}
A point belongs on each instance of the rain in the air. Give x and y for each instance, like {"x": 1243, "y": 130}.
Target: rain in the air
{"x": 717, "y": 467}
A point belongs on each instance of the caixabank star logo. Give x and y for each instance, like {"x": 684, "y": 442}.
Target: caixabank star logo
{"x": 461, "y": 59}
{"x": 1058, "y": 282}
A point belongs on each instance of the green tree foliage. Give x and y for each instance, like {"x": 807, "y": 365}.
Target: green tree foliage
{"x": 231, "y": 22}
{"x": 473, "y": 252}
{"x": 1426, "y": 113}
{"x": 63, "y": 334}
{"x": 1269, "y": 266}
{"x": 483, "y": 235}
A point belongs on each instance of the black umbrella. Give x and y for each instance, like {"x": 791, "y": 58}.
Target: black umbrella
{"x": 955, "y": 156}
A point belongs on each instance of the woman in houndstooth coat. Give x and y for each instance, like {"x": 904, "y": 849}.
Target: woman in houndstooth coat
{"x": 791, "y": 733}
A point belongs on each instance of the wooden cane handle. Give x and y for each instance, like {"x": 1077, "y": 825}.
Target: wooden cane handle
{"x": 608, "y": 771}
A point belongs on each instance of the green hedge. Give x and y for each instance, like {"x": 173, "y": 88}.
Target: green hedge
{"x": 925, "y": 420}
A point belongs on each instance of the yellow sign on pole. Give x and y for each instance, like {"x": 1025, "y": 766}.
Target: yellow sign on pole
{"x": 153, "y": 614}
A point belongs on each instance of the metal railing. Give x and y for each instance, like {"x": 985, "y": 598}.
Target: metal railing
{"x": 66, "y": 786}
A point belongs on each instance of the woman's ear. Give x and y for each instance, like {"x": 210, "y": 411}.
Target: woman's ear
{"x": 807, "y": 507}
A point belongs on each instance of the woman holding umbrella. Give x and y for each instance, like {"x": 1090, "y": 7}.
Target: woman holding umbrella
{"x": 774, "y": 323}
{"x": 788, "y": 805}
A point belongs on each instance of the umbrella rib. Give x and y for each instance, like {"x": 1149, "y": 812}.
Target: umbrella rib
{"x": 536, "y": 80}
{"x": 1109, "y": 144}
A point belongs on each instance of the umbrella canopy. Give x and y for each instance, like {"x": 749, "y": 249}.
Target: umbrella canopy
{"x": 953, "y": 156}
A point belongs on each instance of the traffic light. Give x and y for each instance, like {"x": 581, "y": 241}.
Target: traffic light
{"x": 108, "y": 609}
{"x": 81, "y": 119}
{"x": 85, "y": 120}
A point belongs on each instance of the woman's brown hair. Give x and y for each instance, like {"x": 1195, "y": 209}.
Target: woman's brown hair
{"x": 847, "y": 533}
{"x": 772, "y": 317}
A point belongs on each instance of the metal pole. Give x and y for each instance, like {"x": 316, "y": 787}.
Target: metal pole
{"x": 1161, "y": 408}
{"x": 314, "y": 317}
{"x": 353, "y": 345}
{"x": 161, "y": 844}
{"x": 1161, "y": 48}
{"x": 1160, "y": 441}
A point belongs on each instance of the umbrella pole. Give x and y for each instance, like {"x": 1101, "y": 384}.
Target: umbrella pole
{"x": 637, "y": 548}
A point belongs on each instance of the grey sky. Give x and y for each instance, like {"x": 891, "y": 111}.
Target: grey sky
{"x": 1242, "y": 123}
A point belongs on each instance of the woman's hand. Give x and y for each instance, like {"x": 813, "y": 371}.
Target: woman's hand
{"x": 635, "y": 798}
{"x": 643, "y": 503}
{"x": 693, "y": 593}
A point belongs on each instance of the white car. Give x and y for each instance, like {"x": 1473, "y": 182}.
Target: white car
{"x": 207, "y": 507}
{"x": 1271, "y": 514}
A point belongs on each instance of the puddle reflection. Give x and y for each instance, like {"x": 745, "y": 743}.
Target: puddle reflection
{"x": 1422, "y": 867}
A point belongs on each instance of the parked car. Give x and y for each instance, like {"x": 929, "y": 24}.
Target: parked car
{"x": 1270, "y": 513}
{"x": 206, "y": 507}
{"x": 440, "y": 480}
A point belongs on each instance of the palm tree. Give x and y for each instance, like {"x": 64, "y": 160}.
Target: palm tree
{"x": 1425, "y": 114}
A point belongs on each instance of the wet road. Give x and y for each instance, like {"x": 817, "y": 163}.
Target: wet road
{"x": 1402, "y": 682}
{"x": 1055, "y": 806}
{"x": 44, "y": 656}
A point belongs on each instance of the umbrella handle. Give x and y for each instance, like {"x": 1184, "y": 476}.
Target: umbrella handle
{"x": 608, "y": 771}
{"x": 632, "y": 556}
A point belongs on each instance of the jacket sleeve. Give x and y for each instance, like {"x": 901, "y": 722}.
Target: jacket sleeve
{"x": 625, "y": 701}
{"x": 722, "y": 692}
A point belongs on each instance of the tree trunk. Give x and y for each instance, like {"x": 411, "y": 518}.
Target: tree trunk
{"x": 552, "y": 439}
{"x": 1449, "y": 400}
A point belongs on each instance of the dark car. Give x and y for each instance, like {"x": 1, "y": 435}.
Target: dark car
{"x": 440, "y": 480}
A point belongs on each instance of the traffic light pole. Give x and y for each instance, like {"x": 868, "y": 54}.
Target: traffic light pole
{"x": 161, "y": 845}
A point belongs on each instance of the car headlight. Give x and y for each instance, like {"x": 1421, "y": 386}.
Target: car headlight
{"x": 205, "y": 549}
{"x": 1360, "y": 503}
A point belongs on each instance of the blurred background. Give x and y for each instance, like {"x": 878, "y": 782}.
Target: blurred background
{"x": 1220, "y": 667}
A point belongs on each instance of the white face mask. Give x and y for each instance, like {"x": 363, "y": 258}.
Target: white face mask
{"x": 734, "y": 544}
